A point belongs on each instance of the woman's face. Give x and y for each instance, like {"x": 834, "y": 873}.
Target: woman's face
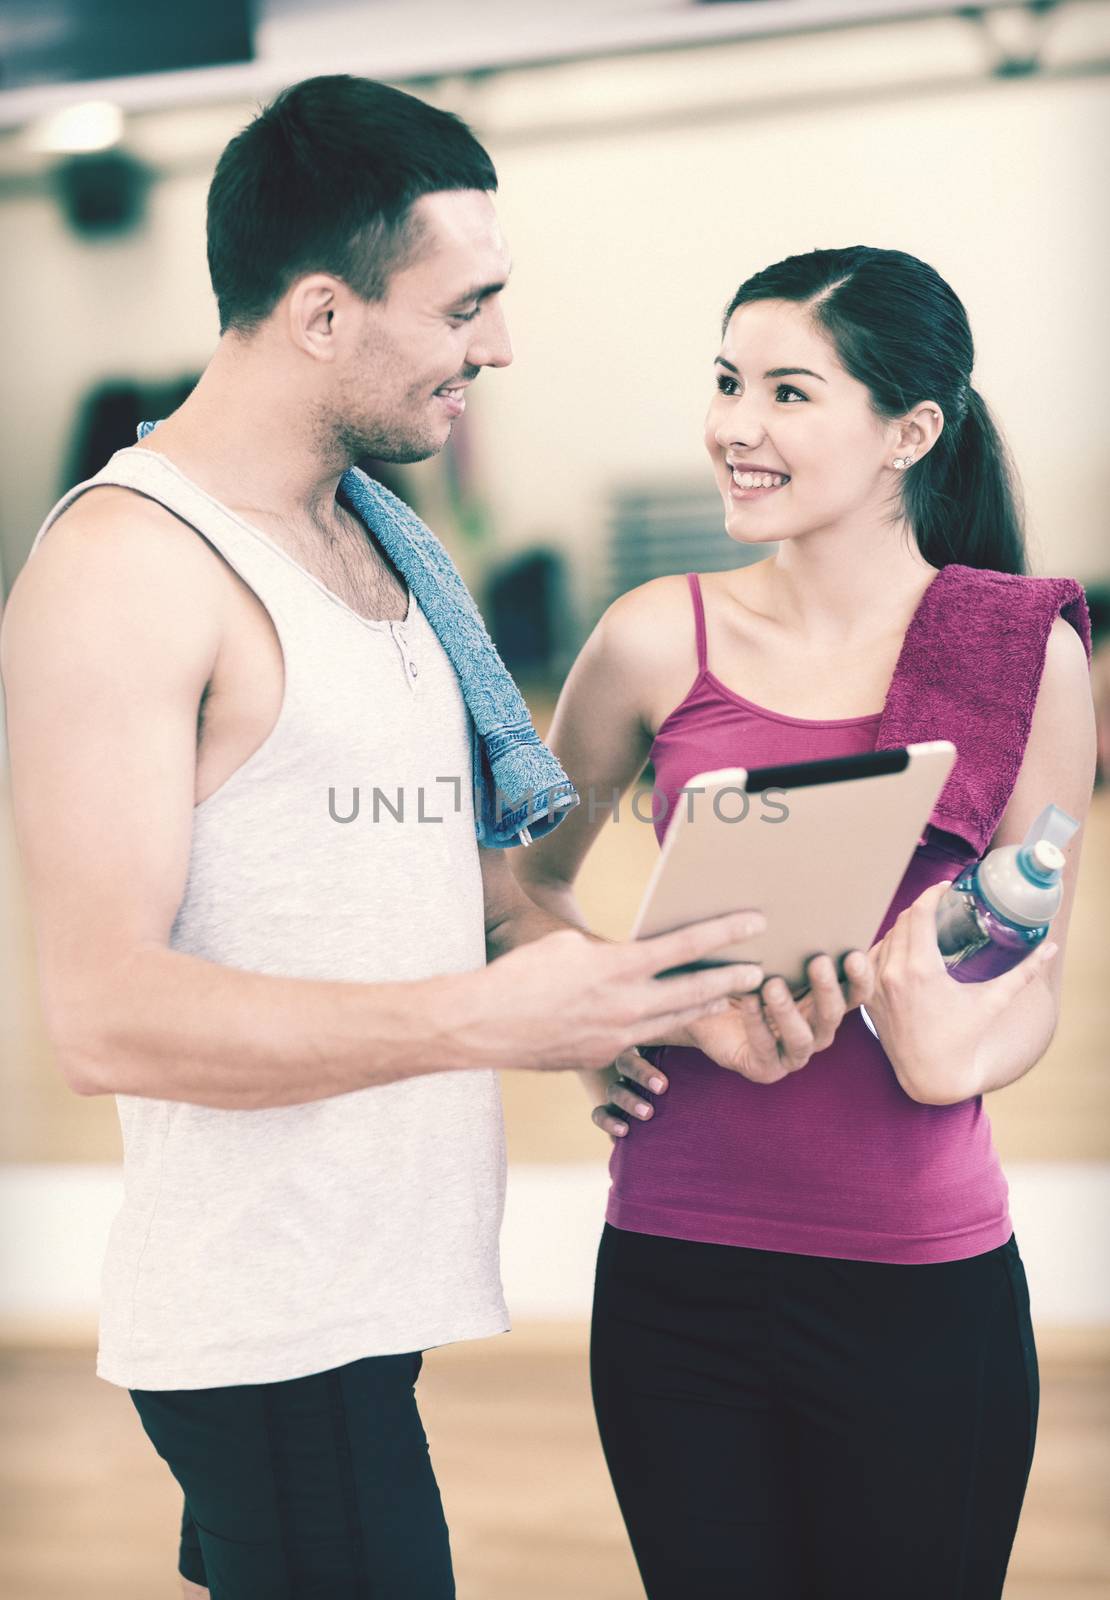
{"x": 784, "y": 405}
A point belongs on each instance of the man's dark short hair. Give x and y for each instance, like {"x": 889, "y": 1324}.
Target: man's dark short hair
{"x": 323, "y": 180}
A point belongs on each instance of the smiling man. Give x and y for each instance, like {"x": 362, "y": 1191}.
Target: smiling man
{"x": 301, "y": 1021}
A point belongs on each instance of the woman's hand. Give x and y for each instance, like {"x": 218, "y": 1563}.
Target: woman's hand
{"x": 768, "y": 1035}
{"x": 619, "y": 1105}
{"x": 930, "y": 1024}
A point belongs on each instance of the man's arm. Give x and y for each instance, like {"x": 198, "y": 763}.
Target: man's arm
{"x": 109, "y": 638}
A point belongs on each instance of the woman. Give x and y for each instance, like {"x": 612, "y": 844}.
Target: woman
{"x": 812, "y": 1358}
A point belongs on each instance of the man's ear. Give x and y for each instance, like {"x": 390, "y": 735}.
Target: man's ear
{"x": 310, "y": 311}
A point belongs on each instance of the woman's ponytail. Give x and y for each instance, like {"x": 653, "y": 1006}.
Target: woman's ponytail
{"x": 962, "y": 498}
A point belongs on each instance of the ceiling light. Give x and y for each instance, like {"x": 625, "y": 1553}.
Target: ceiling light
{"x": 91, "y": 125}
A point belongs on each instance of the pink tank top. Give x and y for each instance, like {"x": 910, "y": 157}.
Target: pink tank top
{"x": 834, "y": 1160}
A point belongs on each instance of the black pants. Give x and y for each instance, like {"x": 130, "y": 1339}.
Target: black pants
{"x": 318, "y": 1488}
{"x": 783, "y": 1427}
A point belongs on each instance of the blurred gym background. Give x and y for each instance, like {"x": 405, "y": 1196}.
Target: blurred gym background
{"x": 652, "y": 154}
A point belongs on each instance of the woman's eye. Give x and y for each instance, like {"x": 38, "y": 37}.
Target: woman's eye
{"x": 730, "y": 386}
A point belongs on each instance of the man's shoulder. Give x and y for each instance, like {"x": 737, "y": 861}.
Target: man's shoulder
{"x": 114, "y": 535}
{"x": 118, "y": 518}
{"x": 109, "y": 556}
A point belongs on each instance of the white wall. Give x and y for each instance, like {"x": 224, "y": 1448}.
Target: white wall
{"x": 627, "y": 250}
{"x": 73, "y": 312}
{"x": 627, "y": 243}
{"x": 57, "y": 1221}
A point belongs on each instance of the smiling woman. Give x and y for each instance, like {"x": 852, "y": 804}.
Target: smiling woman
{"x": 890, "y": 354}
{"x": 808, "y": 1291}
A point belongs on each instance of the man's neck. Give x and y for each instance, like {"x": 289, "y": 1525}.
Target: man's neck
{"x": 246, "y": 437}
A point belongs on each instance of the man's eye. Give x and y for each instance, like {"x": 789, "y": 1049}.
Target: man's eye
{"x": 465, "y": 316}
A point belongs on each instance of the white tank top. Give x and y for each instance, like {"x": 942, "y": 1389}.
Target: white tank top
{"x": 254, "y": 1246}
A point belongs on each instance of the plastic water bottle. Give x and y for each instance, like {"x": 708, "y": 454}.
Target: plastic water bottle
{"x": 999, "y": 909}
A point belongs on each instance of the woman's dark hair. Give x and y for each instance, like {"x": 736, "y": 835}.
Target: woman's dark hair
{"x": 322, "y": 181}
{"x": 899, "y": 329}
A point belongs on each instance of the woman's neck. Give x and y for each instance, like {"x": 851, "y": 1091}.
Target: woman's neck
{"x": 840, "y": 592}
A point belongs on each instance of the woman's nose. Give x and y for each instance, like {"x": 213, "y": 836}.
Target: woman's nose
{"x": 738, "y": 421}
{"x": 743, "y": 432}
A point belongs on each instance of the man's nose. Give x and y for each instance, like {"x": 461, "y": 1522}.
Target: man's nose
{"x": 491, "y": 347}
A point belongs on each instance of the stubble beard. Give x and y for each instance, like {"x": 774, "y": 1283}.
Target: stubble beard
{"x": 385, "y": 439}
{"x": 401, "y": 435}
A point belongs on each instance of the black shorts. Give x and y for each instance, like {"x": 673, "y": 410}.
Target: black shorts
{"x": 318, "y": 1488}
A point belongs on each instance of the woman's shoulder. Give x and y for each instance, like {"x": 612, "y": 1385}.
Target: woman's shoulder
{"x": 646, "y": 639}
{"x": 658, "y": 599}
{"x": 669, "y": 603}
{"x": 1066, "y": 664}
{"x": 1008, "y": 615}
{"x": 1016, "y": 601}
{"x": 986, "y": 649}
{"x": 653, "y": 621}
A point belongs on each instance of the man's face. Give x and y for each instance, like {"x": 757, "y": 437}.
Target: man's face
{"x": 401, "y": 382}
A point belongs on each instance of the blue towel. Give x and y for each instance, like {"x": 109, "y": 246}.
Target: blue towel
{"x": 520, "y": 790}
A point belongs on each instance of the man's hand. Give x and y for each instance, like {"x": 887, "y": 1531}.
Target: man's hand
{"x": 572, "y": 1001}
{"x": 764, "y": 1037}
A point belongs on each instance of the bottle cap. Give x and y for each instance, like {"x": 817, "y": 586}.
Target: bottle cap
{"x": 1047, "y": 856}
{"x": 1054, "y": 826}
{"x": 1023, "y": 883}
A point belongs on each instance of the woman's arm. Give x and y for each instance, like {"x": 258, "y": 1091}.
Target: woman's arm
{"x": 1058, "y": 766}
{"x": 601, "y": 734}
{"x": 621, "y": 686}
{"x": 949, "y": 1041}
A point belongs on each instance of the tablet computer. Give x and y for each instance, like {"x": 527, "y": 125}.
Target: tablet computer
{"x": 819, "y": 847}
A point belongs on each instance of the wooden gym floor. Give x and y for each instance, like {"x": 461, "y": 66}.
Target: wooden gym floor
{"x": 87, "y": 1508}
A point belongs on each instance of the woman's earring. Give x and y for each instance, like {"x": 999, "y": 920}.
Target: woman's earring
{"x": 903, "y": 461}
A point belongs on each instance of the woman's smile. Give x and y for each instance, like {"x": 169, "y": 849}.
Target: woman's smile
{"x": 755, "y": 485}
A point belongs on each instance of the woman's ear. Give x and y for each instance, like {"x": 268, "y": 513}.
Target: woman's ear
{"x": 917, "y": 433}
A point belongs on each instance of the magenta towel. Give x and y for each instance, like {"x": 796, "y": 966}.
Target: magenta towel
{"x": 969, "y": 671}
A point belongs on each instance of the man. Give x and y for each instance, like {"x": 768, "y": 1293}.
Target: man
{"x": 301, "y": 1019}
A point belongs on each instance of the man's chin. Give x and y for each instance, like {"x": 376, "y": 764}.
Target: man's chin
{"x": 404, "y": 454}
